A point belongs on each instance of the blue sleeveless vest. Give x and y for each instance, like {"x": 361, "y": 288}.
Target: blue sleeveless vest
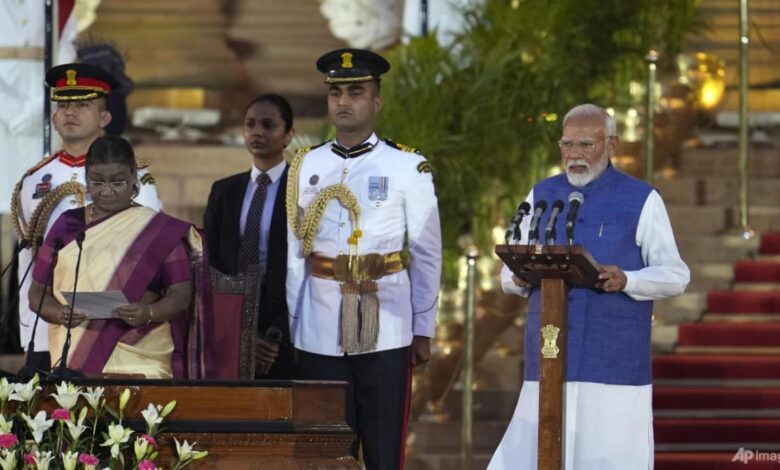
{"x": 608, "y": 333}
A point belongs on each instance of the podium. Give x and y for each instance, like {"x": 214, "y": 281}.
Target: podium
{"x": 554, "y": 268}
{"x": 274, "y": 425}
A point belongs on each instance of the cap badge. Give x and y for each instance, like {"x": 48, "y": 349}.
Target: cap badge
{"x": 70, "y": 77}
{"x": 346, "y": 60}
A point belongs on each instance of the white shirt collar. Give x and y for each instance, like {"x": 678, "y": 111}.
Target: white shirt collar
{"x": 274, "y": 173}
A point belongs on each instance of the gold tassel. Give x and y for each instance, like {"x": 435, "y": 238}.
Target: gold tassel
{"x": 369, "y": 316}
{"x": 350, "y": 320}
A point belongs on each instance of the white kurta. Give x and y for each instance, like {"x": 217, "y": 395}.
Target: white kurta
{"x": 397, "y": 203}
{"x": 56, "y": 173}
{"x": 607, "y": 426}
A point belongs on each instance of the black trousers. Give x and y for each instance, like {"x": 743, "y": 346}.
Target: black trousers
{"x": 377, "y": 399}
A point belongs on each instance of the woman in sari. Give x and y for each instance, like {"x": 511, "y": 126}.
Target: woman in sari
{"x": 157, "y": 262}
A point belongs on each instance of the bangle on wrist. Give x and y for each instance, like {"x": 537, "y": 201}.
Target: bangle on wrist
{"x": 151, "y": 318}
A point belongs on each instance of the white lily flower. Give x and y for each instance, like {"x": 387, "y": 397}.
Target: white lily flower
{"x": 168, "y": 408}
{"x": 140, "y": 448}
{"x": 69, "y": 460}
{"x": 8, "y": 460}
{"x": 42, "y": 460}
{"x": 123, "y": 398}
{"x": 152, "y": 415}
{"x": 67, "y": 395}
{"x": 93, "y": 396}
{"x": 76, "y": 429}
{"x": 25, "y": 392}
{"x": 38, "y": 425}
{"x": 187, "y": 452}
{"x": 117, "y": 435}
{"x": 5, "y": 389}
{"x": 6, "y": 426}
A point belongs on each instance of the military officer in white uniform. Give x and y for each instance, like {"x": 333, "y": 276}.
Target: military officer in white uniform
{"x": 359, "y": 310}
{"x": 57, "y": 184}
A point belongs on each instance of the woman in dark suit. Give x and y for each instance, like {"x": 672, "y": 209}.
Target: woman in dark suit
{"x": 245, "y": 224}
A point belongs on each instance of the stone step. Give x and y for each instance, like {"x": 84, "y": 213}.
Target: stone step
{"x": 446, "y": 436}
{"x": 444, "y": 461}
{"x": 715, "y": 248}
{"x": 664, "y": 338}
{"x": 716, "y": 190}
{"x": 711, "y": 220}
{"x": 699, "y": 161}
{"x": 685, "y": 308}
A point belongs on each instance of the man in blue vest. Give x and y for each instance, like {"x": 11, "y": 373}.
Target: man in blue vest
{"x": 623, "y": 223}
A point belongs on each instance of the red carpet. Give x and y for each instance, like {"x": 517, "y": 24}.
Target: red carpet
{"x": 743, "y": 302}
{"x": 729, "y": 334}
{"x": 709, "y": 461}
{"x": 756, "y": 271}
{"x": 683, "y": 398}
{"x": 770, "y": 244}
{"x": 679, "y": 431}
{"x": 694, "y": 366}
{"x": 728, "y": 421}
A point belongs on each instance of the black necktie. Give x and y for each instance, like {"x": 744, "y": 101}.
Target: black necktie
{"x": 250, "y": 243}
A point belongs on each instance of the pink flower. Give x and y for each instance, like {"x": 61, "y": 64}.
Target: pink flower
{"x": 150, "y": 440}
{"x": 147, "y": 465}
{"x": 88, "y": 459}
{"x": 8, "y": 440}
{"x": 29, "y": 459}
{"x": 61, "y": 414}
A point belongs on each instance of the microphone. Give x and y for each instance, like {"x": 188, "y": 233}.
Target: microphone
{"x": 533, "y": 231}
{"x": 31, "y": 366}
{"x": 575, "y": 201}
{"x": 549, "y": 231}
{"x": 62, "y": 371}
{"x": 514, "y": 226}
{"x": 274, "y": 335}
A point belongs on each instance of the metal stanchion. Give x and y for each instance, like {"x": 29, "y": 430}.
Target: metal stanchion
{"x": 742, "y": 159}
{"x": 467, "y": 443}
{"x": 651, "y": 58}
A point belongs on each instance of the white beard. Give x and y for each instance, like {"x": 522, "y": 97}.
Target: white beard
{"x": 591, "y": 173}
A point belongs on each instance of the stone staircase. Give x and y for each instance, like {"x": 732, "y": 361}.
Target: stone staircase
{"x": 721, "y": 38}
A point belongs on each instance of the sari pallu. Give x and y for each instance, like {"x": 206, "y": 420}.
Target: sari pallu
{"x": 135, "y": 251}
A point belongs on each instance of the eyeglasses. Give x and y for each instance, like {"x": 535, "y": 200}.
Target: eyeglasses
{"x": 582, "y": 145}
{"x": 115, "y": 186}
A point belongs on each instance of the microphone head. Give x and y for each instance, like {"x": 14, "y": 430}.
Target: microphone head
{"x": 23, "y": 243}
{"x": 274, "y": 334}
{"x": 58, "y": 244}
{"x": 576, "y": 196}
{"x": 524, "y": 208}
{"x": 39, "y": 241}
{"x": 558, "y": 205}
{"x": 541, "y": 205}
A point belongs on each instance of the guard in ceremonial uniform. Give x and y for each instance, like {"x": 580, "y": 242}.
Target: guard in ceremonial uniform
{"x": 360, "y": 311}
{"x": 57, "y": 183}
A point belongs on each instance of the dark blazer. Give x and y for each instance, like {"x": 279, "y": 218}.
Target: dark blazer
{"x": 222, "y": 224}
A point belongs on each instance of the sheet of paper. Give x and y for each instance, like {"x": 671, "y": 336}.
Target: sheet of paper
{"x": 97, "y": 305}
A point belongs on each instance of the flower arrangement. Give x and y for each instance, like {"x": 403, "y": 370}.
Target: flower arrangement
{"x": 88, "y": 437}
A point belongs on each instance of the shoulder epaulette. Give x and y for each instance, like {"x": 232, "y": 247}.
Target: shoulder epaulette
{"x": 309, "y": 148}
{"x": 402, "y": 147}
{"x": 142, "y": 164}
{"x": 40, "y": 164}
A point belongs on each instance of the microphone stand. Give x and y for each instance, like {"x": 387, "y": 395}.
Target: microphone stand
{"x": 38, "y": 243}
{"x": 62, "y": 372}
{"x": 22, "y": 245}
{"x": 30, "y": 369}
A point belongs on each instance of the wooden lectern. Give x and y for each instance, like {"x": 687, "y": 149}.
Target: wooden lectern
{"x": 555, "y": 268}
{"x": 244, "y": 425}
